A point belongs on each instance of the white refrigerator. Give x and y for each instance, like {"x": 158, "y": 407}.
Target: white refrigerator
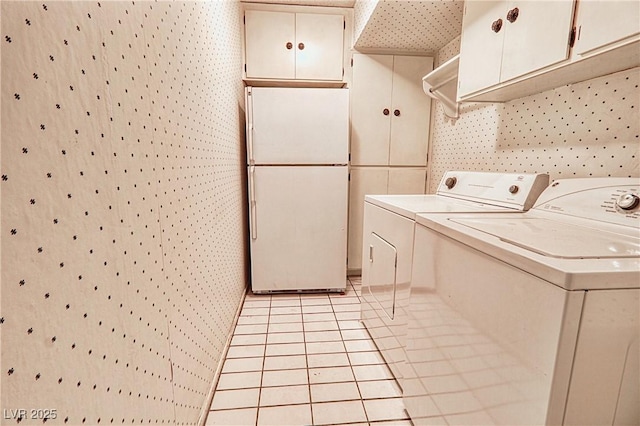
{"x": 297, "y": 155}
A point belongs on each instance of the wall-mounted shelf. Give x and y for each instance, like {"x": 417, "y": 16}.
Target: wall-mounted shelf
{"x": 442, "y": 84}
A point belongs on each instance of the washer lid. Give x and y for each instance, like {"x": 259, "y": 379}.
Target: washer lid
{"x": 555, "y": 238}
{"x": 410, "y": 205}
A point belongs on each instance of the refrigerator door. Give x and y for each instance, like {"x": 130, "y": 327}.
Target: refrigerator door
{"x": 298, "y": 228}
{"x": 297, "y": 125}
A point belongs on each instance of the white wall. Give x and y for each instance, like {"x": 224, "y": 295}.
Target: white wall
{"x": 585, "y": 129}
{"x": 123, "y": 206}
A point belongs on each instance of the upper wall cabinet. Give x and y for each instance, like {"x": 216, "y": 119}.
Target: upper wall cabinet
{"x": 389, "y": 112}
{"x": 502, "y": 40}
{"x": 510, "y": 49}
{"x": 294, "y": 46}
{"x": 602, "y": 24}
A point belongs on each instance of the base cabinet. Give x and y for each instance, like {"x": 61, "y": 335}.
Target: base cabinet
{"x": 372, "y": 181}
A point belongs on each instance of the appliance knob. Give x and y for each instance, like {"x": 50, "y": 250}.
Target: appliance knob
{"x": 450, "y": 182}
{"x": 513, "y": 189}
{"x": 628, "y": 201}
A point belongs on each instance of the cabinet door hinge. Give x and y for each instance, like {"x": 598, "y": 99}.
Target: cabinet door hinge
{"x": 245, "y": 67}
{"x": 349, "y": 178}
{"x": 572, "y": 37}
{"x": 351, "y": 62}
{"x": 244, "y": 20}
{"x": 344, "y": 24}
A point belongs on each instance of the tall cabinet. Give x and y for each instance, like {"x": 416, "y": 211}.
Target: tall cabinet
{"x": 390, "y": 117}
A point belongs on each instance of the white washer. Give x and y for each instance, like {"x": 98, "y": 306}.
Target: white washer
{"x": 529, "y": 318}
{"x": 388, "y": 231}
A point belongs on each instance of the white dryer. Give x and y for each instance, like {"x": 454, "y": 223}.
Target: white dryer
{"x": 388, "y": 232}
{"x": 529, "y": 318}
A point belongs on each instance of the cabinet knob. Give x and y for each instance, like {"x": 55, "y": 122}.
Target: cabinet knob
{"x": 396, "y": 112}
{"x": 496, "y": 26}
{"x": 385, "y": 111}
{"x": 301, "y": 46}
{"x": 289, "y": 45}
{"x": 512, "y": 15}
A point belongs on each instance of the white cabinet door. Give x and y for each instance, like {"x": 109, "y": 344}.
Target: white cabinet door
{"x": 601, "y": 23}
{"x": 371, "y": 109}
{"x": 411, "y": 111}
{"x": 538, "y": 36}
{"x": 480, "y": 46}
{"x": 364, "y": 181}
{"x": 502, "y": 40}
{"x": 407, "y": 180}
{"x": 267, "y": 38}
{"x": 389, "y": 111}
{"x": 376, "y": 181}
{"x": 319, "y": 42}
{"x": 298, "y": 227}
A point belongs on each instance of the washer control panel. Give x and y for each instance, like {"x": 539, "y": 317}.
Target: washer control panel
{"x": 617, "y": 203}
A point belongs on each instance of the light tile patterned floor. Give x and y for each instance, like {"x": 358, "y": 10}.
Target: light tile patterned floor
{"x": 305, "y": 360}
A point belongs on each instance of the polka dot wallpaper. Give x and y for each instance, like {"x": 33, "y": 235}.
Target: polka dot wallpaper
{"x": 123, "y": 212}
{"x": 591, "y": 128}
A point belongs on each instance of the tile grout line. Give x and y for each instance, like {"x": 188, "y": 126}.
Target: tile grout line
{"x": 355, "y": 380}
{"x": 264, "y": 358}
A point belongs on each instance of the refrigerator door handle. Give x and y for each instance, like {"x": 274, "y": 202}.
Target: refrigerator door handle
{"x": 250, "y": 127}
{"x": 252, "y": 202}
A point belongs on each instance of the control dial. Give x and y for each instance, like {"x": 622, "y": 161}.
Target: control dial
{"x": 514, "y": 189}
{"x": 450, "y": 182}
{"x": 628, "y": 201}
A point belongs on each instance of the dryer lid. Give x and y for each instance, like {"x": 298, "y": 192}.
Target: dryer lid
{"x": 556, "y": 238}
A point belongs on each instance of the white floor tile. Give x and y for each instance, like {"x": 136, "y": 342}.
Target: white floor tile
{"x": 350, "y": 325}
{"x": 327, "y": 360}
{"x": 379, "y": 389}
{"x": 343, "y": 300}
{"x": 372, "y": 372}
{"x": 327, "y": 392}
{"x": 347, "y": 316}
{"x": 315, "y": 301}
{"x": 325, "y": 347}
{"x": 237, "y": 365}
{"x": 358, "y": 334}
{"x": 241, "y": 398}
{"x": 360, "y": 345}
{"x": 282, "y": 300}
{"x": 317, "y": 309}
{"x": 284, "y": 395}
{"x": 256, "y": 302}
{"x": 365, "y": 358}
{"x": 285, "y": 362}
{"x": 322, "y": 336}
{"x": 285, "y": 415}
{"x": 330, "y": 375}
{"x": 385, "y": 409}
{"x": 321, "y": 326}
{"x": 285, "y": 328}
{"x": 285, "y": 377}
{"x": 254, "y": 311}
{"x": 251, "y": 329}
{"x": 286, "y": 310}
{"x": 350, "y": 307}
{"x": 319, "y": 317}
{"x": 325, "y": 413}
{"x": 248, "y": 339}
{"x": 248, "y": 320}
{"x": 285, "y": 338}
{"x": 229, "y": 381}
{"x": 238, "y": 417}
{"x": 285, "y": 349}
{"x": 282, "y": 319}
{"x": 245, "y": 351}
